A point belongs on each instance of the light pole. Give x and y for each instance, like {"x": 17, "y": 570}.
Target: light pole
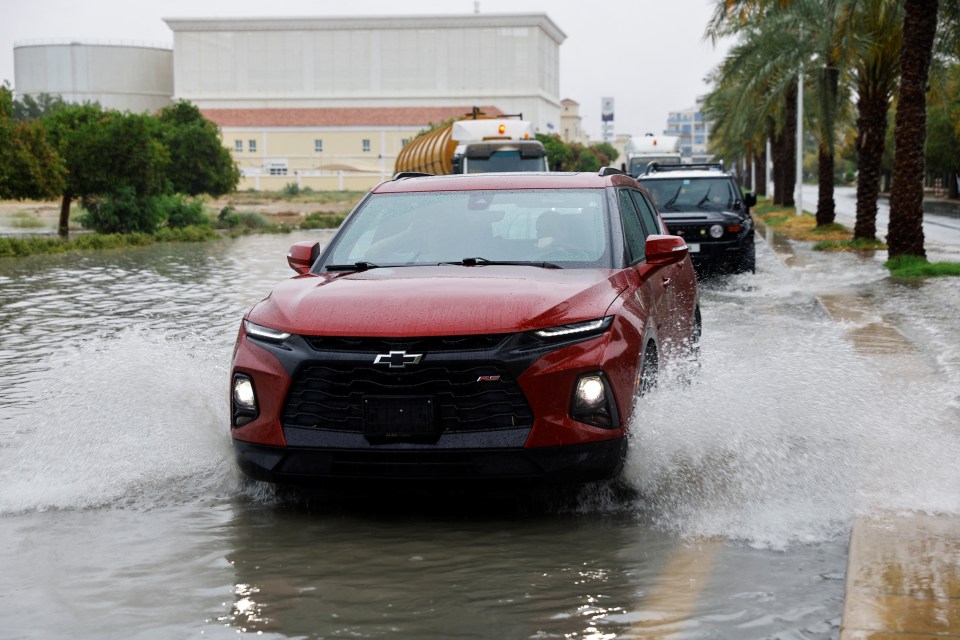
{"x": 798, "y": 193}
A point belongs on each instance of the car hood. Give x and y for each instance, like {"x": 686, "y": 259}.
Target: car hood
{"x": 441, "y": 300}
{"x": 703, "y": 216}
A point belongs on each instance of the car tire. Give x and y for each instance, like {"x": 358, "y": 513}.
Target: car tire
{"x": 649, "y": 370}
{"x": 749, "y": 262}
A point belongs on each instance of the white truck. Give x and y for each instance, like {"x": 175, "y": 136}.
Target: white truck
{"x": 642, "y": 150}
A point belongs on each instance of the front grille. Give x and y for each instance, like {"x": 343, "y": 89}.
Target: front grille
{"x": 428, "y": 343}
{"x": 329, "y": 394}
{"x": 692, "y": 232}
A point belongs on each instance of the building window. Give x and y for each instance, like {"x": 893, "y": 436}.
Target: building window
{"x": 366, "y": 145}
{"x": 318, "y": 145}
{"x": 276, "y": 167}
{"x": 404, "y": 142}
{"x": 238, "y": 146}
{"x": 252, "y": 146}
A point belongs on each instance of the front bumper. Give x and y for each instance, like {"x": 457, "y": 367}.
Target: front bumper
{"x": 304, "y": 466}
{"x": 311, "y": 420}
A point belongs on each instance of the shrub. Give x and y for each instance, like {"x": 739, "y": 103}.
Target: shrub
{"x": 322, "y": 221}
{"x": 291, "y": 189}
{"x": 123, "y": 212}
{"x": 182, "y": 212}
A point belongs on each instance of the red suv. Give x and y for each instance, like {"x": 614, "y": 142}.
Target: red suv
{"x": 495, "y": 326}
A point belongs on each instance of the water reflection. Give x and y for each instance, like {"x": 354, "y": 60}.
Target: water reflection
{"x": 563, "y": 576}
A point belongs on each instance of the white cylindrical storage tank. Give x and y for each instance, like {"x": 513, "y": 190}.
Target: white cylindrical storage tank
{"x": 123, "y": 76}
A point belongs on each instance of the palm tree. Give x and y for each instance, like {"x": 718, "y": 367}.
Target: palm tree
{"x": 875, "y": 72}
{"x": 905, "y": 235}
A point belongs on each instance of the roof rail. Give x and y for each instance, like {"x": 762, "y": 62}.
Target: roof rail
{"x": 411, "y": 174}
{"x": 656, "y": 167}
{"x": 610, "y": 171}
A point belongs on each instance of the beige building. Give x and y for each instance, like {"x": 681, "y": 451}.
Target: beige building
{"x": 324, "y": 149}
{"x": 319, "y": 97}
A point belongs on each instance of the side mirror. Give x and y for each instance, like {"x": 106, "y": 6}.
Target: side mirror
{"x": 665, "y": 249}
{"x": 750, "y": 199}
{"x": 302, "y": 255}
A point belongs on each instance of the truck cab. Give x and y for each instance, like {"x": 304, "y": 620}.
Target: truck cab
{"x": 496, "y": 145}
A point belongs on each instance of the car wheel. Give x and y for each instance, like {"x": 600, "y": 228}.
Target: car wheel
{"x": 649, "y": 370}
{"x": 749, "y": 262}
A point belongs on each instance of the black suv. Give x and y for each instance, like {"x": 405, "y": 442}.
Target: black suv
{"x": 703, "y": 204}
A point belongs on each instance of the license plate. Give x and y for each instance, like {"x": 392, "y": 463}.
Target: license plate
{"x": 694, "y": 247}
{"x": 396, "y": 417}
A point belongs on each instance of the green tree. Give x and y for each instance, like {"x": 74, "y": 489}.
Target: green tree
{"x": 29, "y": 165}
{"x": 199, "y": 161}
{"x": 30, "y": 108}
{"x": 559, "y": 154}
{"x": 106, "y": 152}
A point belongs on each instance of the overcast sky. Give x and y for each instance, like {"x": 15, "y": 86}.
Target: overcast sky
{"x": 649, "y": 55}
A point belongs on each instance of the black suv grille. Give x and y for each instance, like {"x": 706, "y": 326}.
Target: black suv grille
{"x": 470, "y": 395}
{"x": 693, "y": 232}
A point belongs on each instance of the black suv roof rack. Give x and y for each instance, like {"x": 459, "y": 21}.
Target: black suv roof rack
{"x": 412, "y": 174}
{"x": 656, "y": 167}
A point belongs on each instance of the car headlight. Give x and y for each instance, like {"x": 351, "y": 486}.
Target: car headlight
{"x": 244, "y": 398}
{"x": 577, "y": 329}
{"x": 716, "y": 231}
{"x": 264, "y": 333}
{"x": 593, "y": 403}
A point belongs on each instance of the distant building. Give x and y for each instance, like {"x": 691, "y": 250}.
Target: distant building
{"x": 318, "y": 91}
{"x": 345, "y": 66}
{"x": 693, "y": 130}
{"x": 122, "y": 76}
{"x": 324, "y": 149}
{"x": 571, "y": 122}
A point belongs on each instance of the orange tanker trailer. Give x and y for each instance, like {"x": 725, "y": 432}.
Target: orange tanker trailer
{"x": 475, "y": 144}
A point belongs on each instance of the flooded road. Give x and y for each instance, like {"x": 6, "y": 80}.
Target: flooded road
{"x": 122, "y": 514}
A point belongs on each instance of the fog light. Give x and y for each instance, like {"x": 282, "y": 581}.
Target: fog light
{"x": 243, "y": 393}
{"x": 592, "y": 402}
{"x": 590, "y": 392}
{"x": 716, "y": 231}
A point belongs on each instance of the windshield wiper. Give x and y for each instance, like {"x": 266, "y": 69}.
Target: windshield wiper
{"x": 356, "y": 266}
{"x": 669, "y": 203}
{"x": 705, "y": 197}
{"x": 473, "y": 262}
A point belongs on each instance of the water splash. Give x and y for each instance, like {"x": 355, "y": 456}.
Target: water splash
{"x": 787, "y": 432}
{"x": 133, "y": 420}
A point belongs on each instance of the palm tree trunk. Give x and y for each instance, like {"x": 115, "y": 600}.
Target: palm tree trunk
{"x": 790, "y": 145}
{"x": 826, "y": 208}
{"x": 828, "y": 87}
{"x": 871, "y": 133}
{"x": 906, "y": 196}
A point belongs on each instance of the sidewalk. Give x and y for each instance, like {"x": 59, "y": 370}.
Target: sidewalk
{"x": 903, "y": 569}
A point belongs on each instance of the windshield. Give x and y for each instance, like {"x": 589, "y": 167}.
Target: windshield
{"x": 505, "y": 161}
{"x": 564, "y": 227}
{"x": 692, "y": 194}
{"x": 639, "y": 165}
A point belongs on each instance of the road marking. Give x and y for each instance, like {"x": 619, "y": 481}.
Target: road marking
{"x": 669, "y": 605}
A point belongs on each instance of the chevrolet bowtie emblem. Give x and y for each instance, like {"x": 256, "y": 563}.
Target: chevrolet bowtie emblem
{"x": 398, "y": 359}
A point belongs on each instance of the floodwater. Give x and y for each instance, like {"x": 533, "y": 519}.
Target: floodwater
{"x": 122, "y": 515}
